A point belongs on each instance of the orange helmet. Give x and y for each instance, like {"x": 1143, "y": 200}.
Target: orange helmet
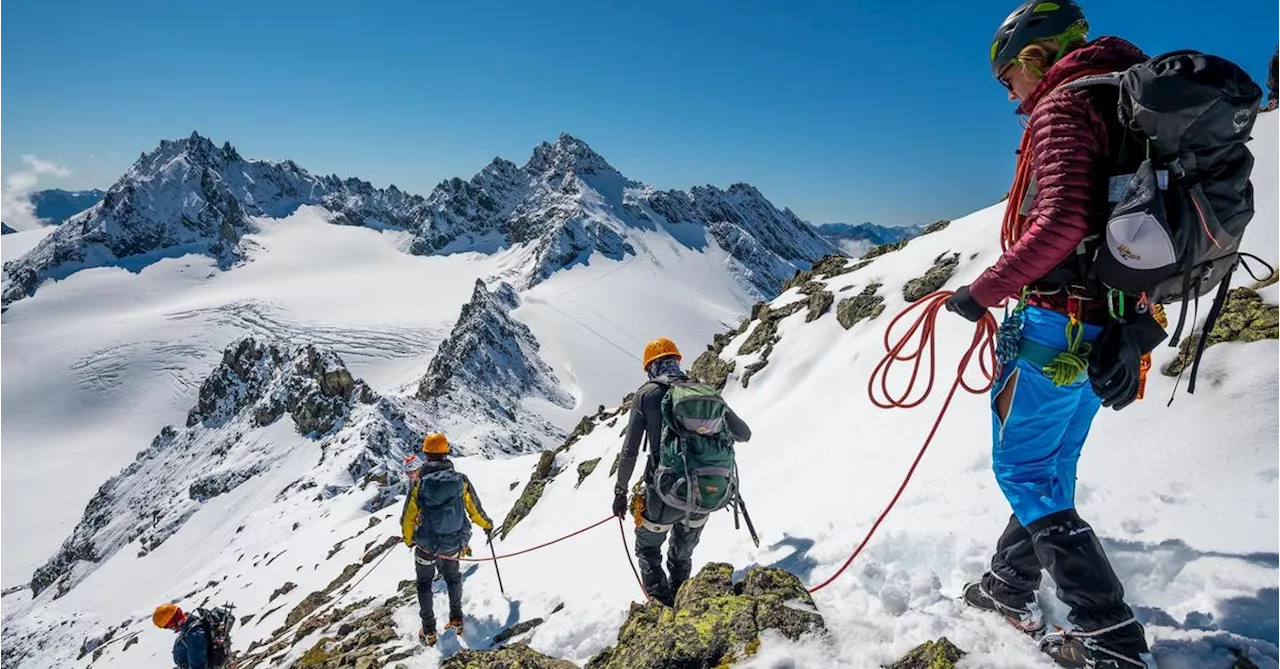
{"x": 165, "y": 615}
{"x": 435, "y": 444}
{"x": 659, "y": 348}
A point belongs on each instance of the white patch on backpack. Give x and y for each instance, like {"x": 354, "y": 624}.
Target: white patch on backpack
{"x": 1140, "y": 242}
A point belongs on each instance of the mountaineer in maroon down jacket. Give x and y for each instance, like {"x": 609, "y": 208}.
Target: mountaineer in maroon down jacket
{"x": 1039, "y": 421}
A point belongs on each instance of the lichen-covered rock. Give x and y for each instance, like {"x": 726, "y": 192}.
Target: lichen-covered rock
{"x": 368, "y": 641}
{"x": 943, "y": 267}
{"x": 585, "y": 468}
{"x": 518, "y": 656}
{"x": 709, "y": 368}
{"x": 765, "y": 331}
{"x": 282, "y": 590}
{"x": 543, "y": 472}
{"x": 304, "y": 608}
{"x": 935, "y": 227}
{"x": 864, "y": 306}
{"x": 715, "y": 621}
{"x": 1245, "y": 317}
{"x": 940, "y": 654}
{"x": 819, "y": 304}
{"x": 885, "y": 248}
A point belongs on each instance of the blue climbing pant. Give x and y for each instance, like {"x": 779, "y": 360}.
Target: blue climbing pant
{"x": 1036, "y": 447}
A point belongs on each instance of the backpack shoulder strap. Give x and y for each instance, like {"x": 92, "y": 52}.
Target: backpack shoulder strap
{"x": 1106, "y": 79}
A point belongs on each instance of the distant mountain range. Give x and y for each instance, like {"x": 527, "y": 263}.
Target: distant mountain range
{"x": 57, "y": 205}
{"x": 856, "y": 240}
{"x": 558, "y": 210}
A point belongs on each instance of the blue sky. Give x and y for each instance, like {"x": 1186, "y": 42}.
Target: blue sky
{"x": 841, "y": 110}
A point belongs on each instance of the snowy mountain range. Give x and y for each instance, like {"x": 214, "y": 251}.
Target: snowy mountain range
{"x": 856, "y": 240}
{"x": 190, "y": 196}
{"x": 565, "y": 204}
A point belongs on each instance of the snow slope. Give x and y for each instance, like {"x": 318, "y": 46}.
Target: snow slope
{"x": 1185, "y": 498}
{"x": 97, "y": 363}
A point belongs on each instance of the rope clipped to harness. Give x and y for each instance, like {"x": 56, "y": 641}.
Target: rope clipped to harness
{"x": 1068, "y": 365}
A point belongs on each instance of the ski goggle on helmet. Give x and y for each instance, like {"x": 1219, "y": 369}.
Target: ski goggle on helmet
{"x": 1032, "y": 21}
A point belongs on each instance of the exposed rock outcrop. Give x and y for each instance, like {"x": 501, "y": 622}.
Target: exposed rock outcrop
{"x": 518, "y": 656}
{"x": 940, "y": 654}
{"x": 943, "y": 267}
{"x": 1245, "y": 317}
{"x": 715, "y": 621}
{"x": 483, "y": 373}
{"x": 864, "y": 306}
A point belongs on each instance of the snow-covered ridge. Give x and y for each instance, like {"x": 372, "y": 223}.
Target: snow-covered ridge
{"x": 475, "y": 389}
{"x": 484, "y": 373}
{"x": 190, "y": 196}
{"x": 221, "y": 447}
{"x": 567, "y": 203}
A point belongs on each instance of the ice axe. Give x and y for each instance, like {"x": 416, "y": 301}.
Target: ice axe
{"x": 497, "y": 571}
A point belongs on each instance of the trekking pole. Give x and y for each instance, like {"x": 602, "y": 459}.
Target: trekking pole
{"x": 747, "y": 517}
{"x": 495, "y": 566}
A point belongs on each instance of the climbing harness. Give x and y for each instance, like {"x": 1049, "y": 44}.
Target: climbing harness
{"x": 982, "y": 346}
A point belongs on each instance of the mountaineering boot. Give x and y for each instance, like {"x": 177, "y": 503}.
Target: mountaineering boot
{"x": 1074, "y": 651}
{"x": 1027, "y": 619}
{"x": 1116, "y": 646}
{"x": 455, "y": 624}
{"x": 426, "y": 638}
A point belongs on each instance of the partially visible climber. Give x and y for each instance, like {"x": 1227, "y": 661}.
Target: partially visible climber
{"x": 690, "y": 432}
{"x": 204, "y": 640}
{"x": 1273, "y": 81}
{"x": 436, "y": 521}
{"x": 1040, "y": 421}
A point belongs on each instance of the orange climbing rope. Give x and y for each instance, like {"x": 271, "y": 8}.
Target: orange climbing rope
{"x": 1012, "y": 227}
{"x": 922, "y": 333}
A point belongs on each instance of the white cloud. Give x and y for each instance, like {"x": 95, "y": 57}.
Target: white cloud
{"x": 16, "y": 209}
{"x": 45, "y": 166}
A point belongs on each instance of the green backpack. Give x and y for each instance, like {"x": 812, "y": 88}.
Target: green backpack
{"x": 696, "y": 469}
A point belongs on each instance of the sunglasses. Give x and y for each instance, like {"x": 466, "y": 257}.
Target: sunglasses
{"x": 1004, "y": 76}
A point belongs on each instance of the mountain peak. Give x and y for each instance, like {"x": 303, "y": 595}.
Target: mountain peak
{"x": 485, "y": 370}
{"x": 568, "y": 155}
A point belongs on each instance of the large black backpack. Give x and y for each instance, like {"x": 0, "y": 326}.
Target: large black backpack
{"x": 217, "y": 624}
{"x": 1174, "y": 232}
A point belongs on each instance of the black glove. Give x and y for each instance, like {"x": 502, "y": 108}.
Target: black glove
{"x": 620, "y": 504}
{"x": 963, "y": 303}
{"x": 488, "y": 534}
{"x": 1116, "y": 358}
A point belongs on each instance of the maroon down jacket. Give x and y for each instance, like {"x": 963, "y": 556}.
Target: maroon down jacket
{"x": 1070, "y": 165}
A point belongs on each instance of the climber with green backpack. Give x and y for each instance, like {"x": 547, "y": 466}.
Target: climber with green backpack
{"x": 690, "y": 432}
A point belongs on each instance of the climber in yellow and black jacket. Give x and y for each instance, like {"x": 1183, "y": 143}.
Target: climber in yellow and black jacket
{"x": 435, "y": 523}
